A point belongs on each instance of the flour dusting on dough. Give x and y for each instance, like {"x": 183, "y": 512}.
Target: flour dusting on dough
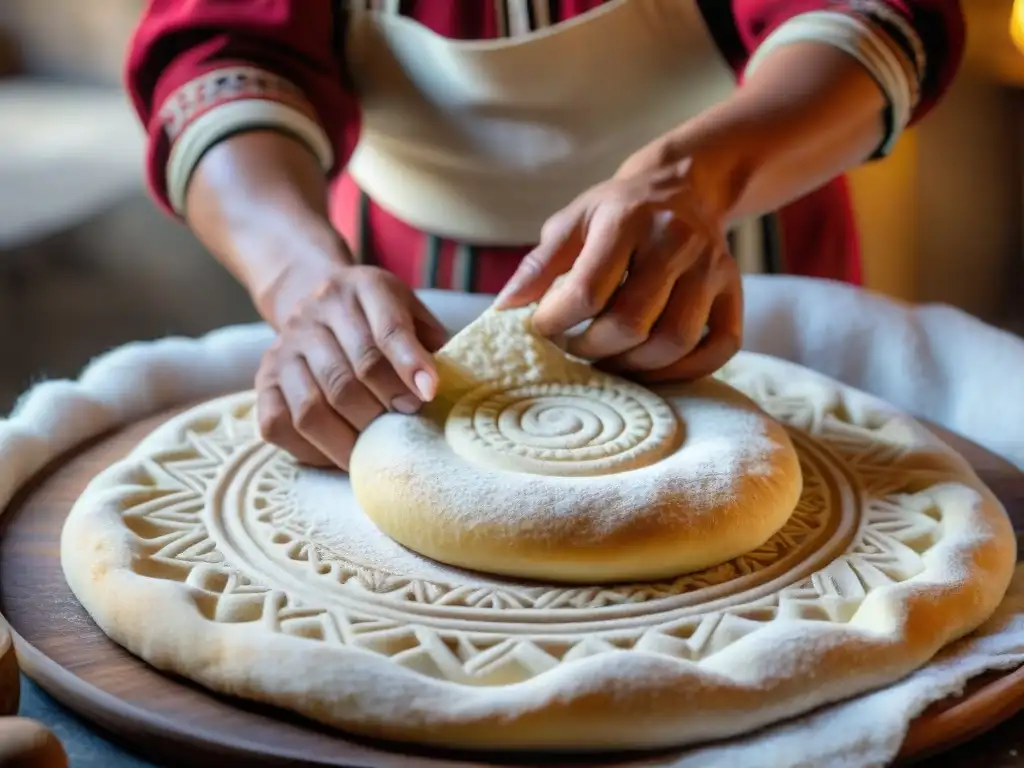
{"x": 532, "y": 463}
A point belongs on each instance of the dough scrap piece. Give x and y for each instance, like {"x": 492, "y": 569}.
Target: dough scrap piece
{"x": 533, "y": 464}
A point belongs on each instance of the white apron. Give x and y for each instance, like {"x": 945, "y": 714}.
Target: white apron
{"x": 482, "y": 141}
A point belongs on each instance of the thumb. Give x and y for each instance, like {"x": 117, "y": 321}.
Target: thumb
{"x": 539, "y": 269}
{"x": 429, "y": 330}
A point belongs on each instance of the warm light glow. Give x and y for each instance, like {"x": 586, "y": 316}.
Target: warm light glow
{"x": 1017, "y": 24}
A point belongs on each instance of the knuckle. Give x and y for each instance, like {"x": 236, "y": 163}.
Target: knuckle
{"x": 628, "y": 206}
{"x": 553, "y": 227}
{"x": 266, "y": 374}
{"x": 273, "y": 354}
{"x": 666, "y": 348}
{"x": 273, "y": 424}
{"x": 687, "y": 339}
{"x": 386, "y": 278}
{"x": 369, "y": 363}
{"x": 531, "y": 263}
{"x": 531, "y": 266}
{"x": 547, "y": 231}
{"x": 329, "y": 288}
{"x": 294, "y": 322}
{"x": 583, "y": 297}
{"x": 630, "y": 328}
{"x": 391, "y": 333}
{"x": 337, "y": 382}
{"x": 309, "y": 411}
{"x": 731, "y": 344}
{"x": 366, "y": 277}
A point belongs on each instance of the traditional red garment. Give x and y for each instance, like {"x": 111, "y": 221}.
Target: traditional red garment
{"x": 192, "y": 57}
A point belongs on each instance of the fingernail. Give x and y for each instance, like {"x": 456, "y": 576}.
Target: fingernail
{"x": 425, "y": 384}
{"x": 407, "y": 404}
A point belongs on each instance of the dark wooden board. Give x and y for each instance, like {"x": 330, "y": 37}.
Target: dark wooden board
{"x": 173, "y": 721}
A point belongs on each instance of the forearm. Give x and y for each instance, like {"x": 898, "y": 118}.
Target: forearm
{"x": 808, "y": 114}
{"x": 246, "y": 117}
{"x": 259, "y": 202}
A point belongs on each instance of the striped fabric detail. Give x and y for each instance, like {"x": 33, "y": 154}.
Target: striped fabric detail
{"x": 896, "y": 26}
{"x": 516, "y": 18}
{"x": 364, "y": 245}
{"x": 431, "y": 261}
{"x": 463, "y": 273}
{"x": 197, "y": 97}
{"x": 223, "y": 102}
{"x": 858, "y": 35}
{"x": 464, "y": 268}
{"x": 721, "y": 24}
{"x": 773, "y": 258}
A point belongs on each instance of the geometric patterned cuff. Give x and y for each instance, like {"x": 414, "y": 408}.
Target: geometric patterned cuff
{"x": 883, "y": 58}
{"x": 228, "y": 101}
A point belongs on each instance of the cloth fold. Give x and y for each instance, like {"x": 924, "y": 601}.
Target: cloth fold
{"x": 931, "y": 360}
{"x": 868, "y": 731}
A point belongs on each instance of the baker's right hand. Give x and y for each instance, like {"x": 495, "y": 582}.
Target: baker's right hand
{"x": 358, "y": 344}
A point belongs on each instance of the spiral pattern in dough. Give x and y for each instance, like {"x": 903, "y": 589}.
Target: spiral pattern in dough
{"x": 596, "y": 427}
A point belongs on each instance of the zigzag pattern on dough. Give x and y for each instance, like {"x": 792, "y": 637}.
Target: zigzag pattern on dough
{"x": 899, "y": 521}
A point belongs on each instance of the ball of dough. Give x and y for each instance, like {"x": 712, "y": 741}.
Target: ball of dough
{"x": 10, "y": 679}
{"x": 580, "y": 480}
{"x": 27, "y": 744}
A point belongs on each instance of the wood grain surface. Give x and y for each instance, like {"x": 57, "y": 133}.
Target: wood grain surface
{"x": 172, "y": 721}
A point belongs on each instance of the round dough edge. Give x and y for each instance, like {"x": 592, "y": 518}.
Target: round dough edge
{"x": 432, "y": 500}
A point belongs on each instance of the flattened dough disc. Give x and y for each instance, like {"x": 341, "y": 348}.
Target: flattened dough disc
{"x": 533, "y": 464}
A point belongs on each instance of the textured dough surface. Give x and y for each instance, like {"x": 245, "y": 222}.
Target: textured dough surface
{"x": 199, "y": 553}
{"x": 532, "y": 464}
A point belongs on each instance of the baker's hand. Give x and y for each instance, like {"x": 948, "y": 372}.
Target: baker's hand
{"x": 359, "y": 343}
{"x": 644, "y": 256}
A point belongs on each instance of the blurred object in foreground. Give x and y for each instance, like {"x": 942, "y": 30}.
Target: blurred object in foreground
{"x": 66, "y": 153}
{"x": 1017, "y": 24}
{"x": 9, "y": 59}
{"x": 992, "y": 48}
{"x": 71, "y": 40}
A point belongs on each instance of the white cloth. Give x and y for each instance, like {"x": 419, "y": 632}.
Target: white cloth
{"x": 931, "y": 360}
{"x": 868, "y": 731}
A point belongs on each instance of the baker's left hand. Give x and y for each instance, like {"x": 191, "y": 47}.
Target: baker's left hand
{"x": 644, "y": 258}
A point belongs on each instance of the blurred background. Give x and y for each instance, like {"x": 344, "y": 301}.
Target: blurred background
{"x": 87, "y": 263}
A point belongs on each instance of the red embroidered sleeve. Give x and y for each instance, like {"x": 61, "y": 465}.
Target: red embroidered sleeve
{"x": 200, "y": 70}
{"x": 926, "y": 35}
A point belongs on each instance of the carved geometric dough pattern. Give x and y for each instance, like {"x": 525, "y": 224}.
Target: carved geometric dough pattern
{"x": 850, "y": 485}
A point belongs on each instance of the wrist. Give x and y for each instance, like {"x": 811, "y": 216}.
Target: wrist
{"x": 723, "y": 153}
{"x": 295, "y": 270}
{"x": 298, "y": 276}
{"x": 781, "y": 135}
{"x": 259, "y": 202}
{"x": 720, "y": 173}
